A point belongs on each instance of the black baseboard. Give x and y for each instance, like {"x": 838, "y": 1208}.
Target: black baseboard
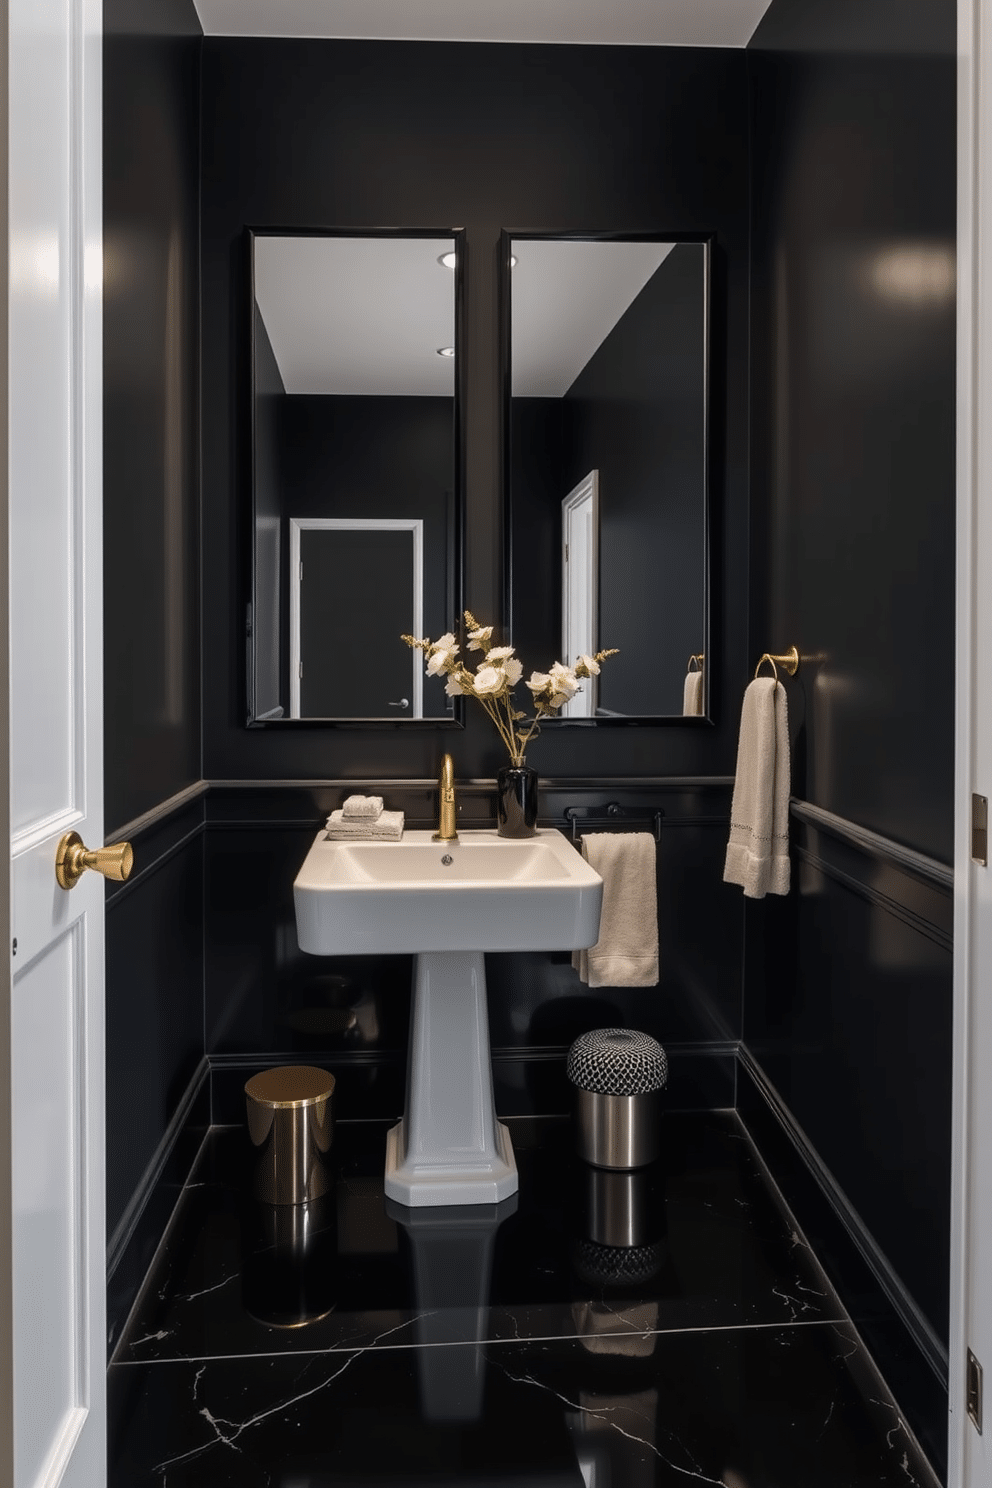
{"x": 526, "y": 1081}
{"x": 133, "y": 1244}
{"x": 907, "y": 1353}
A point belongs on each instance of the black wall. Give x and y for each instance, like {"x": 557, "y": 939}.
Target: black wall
{"x": 527, "y": 138}
{"x": 154, "y": 983}
{"x": 848, "y": 982}
{"x": 151, "y": 404}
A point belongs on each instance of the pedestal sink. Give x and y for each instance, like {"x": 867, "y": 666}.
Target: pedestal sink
{"x": 448, "y": 903}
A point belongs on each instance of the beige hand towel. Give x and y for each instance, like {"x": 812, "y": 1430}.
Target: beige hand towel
{"x": 692, "y": 694}
{"x": 387, "y": 828}
{"x": 626, "y": 954}
{"x": 758, "y": 851}
{"x": 363, "y": 808}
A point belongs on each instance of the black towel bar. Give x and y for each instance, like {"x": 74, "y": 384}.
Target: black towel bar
{"x": 585, "y": 818}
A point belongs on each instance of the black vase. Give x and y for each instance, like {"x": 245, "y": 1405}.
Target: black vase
{"x": 516, "y": 801}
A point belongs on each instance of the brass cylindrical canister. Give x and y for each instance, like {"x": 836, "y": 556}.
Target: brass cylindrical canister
{"x": 291, "y": 1122}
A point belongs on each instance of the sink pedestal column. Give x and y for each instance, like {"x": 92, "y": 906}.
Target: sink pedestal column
{"x": 449, "y": 1148}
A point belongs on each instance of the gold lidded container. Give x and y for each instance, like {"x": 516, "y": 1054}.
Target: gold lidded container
{"x": 291, "y": 1124}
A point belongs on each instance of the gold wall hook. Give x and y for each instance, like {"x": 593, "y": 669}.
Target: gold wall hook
{"x": 789, "y": 662}
{"x": 72, "y": 859}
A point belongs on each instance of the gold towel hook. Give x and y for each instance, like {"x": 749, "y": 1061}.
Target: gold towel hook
{"x": 789, "y": 662}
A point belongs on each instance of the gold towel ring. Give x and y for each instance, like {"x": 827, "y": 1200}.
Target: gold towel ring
{"x": 789, "y": 663}
{"x": 699, "y": 663}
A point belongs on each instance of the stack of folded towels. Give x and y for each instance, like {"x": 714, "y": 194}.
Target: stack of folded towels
{"x": 362, "y": 818}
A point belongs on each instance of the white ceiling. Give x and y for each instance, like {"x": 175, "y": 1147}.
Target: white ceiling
{"x": 366, "y": 316}
{"x": 358, "y": 315}
{"x": 566, "y": 298}
{"x": 703, "y": 23}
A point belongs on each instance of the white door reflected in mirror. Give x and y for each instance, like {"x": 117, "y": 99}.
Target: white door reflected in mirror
{"x": 348, "y": 571}
{"x": 580, "y": 587}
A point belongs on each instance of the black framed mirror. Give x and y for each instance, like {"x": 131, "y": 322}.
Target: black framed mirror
{"x": 355, "y": 462}
{"x": 606, "y": 345}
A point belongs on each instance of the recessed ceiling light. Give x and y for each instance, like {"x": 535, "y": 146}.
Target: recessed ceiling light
{"x": 448, "y": 260}
{"x": 448, "y": 351}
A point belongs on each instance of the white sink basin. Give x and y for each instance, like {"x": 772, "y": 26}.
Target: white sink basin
{"x": 481, "y": 893}
{"x": 448, "y": 902}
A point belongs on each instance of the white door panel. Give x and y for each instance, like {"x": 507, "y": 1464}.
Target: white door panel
{"x": 49, "y": 1230}
{"x": 56, "y": 740}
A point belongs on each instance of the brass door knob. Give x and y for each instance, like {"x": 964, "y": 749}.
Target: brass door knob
{"x": 72, "y": 859}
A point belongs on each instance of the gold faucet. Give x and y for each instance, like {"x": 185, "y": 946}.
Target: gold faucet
{"x": 447, "y": 830}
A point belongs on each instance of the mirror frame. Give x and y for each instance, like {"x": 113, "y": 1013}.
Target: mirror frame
{"x": 707, "y": 241}
{"x": 247, "y": 482}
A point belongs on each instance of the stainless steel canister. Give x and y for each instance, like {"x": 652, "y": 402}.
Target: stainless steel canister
{"x": 291, "y": 1123}
{"x": 619, "y": 1077}
{"x": 618, "y": 1131}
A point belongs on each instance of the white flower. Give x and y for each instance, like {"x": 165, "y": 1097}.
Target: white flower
{"x": 444, "y": 643}
{"x": 454, "y": 688}
{"x": 488, "y": 679}
{"x": 564, "y": 681}
{"x": 499, "y": 653}
{"x": 512, "y": 670}
{"x": 477, "y": 638}
{"x": 538, "y": 681}
{"x": 441, "y": 661}
{"x": 589, "y": 665}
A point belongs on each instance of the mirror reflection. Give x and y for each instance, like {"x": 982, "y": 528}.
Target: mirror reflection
{"x": 353, "y": 469}
{"x": 608, "y": 467}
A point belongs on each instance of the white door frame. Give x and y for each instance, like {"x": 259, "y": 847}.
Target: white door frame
{"x": 586, "y": 493}
{"x": 970, "y": 1454}
{"x": 52, "y": 1162}
{"x": 355, "y": 524}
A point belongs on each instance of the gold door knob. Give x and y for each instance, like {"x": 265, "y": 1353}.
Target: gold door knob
{"x": 72, "y": 859}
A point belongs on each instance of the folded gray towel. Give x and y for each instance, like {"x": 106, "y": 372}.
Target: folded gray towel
{"x": 387, "y": 828}
{"x": 364, "y": 808}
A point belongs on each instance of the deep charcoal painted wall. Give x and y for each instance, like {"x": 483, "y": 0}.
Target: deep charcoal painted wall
{"x": 151, "y": 395}
{"x": 359, "y": 134}
{"x": 848, "y": 982}
{"x": 154, "y": 979}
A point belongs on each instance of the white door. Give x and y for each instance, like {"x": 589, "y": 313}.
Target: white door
{"x": 970, "y": 1443}
{"x": 54, "y": 369}
{"x": 580, "y": 586}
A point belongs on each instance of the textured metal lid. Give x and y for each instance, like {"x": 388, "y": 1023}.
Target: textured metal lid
{"x": 617, "y": 1061}
{"x": 290, "y": 1085}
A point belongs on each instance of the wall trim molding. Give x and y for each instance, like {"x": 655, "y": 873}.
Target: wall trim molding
{"x": 603, "y": 784}
{"x": 127, "y": 1224}
{"x": 927, "y": 868}
{"x": 159, "y": 813}
{"x": 917, "y": 1326}
{"x": 917, "y": 922}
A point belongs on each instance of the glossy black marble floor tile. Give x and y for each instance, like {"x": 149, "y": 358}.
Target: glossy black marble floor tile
{"x": 755, "y": 1407}
{"x": 695, "y": 1241}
